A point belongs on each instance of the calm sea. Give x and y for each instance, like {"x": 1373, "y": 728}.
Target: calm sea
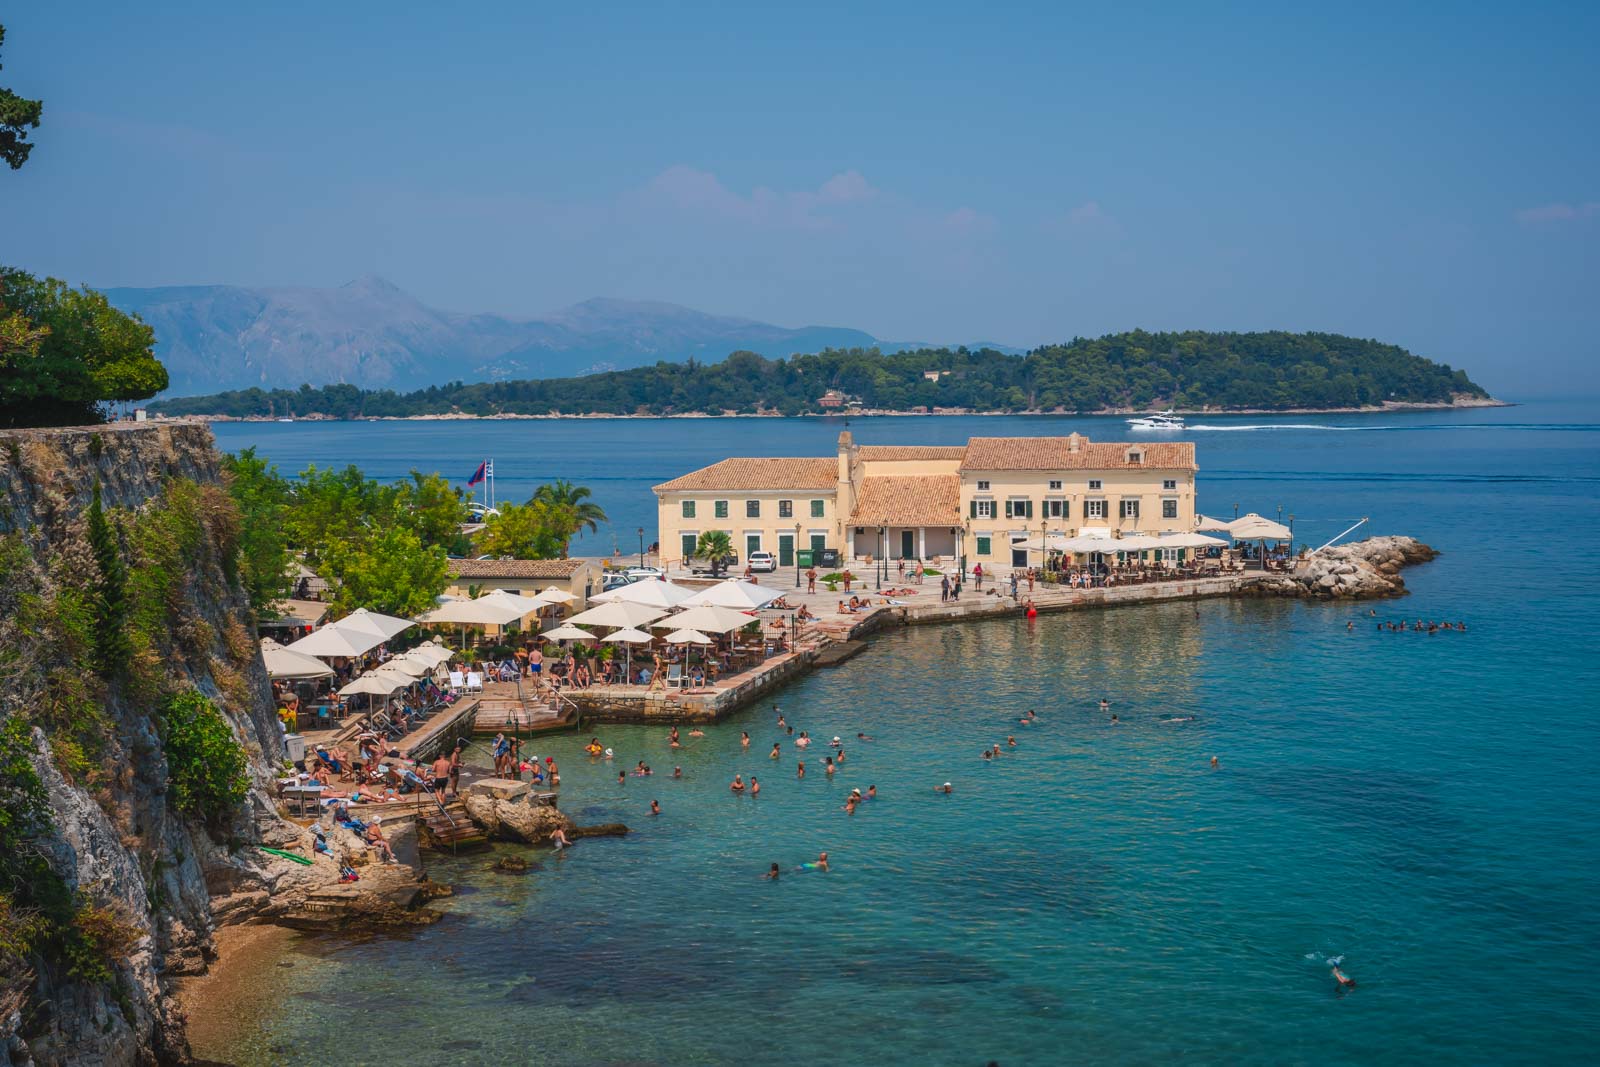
{"x": 1419, "y": 806}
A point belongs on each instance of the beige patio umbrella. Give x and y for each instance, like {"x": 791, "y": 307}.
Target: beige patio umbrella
{"x": 1206, "y": 522}
{"x": 1191, "y": 540}
{"x": 707, "y": 618}
{"x": 363, "y": 621}
{"x": 618, "y": 615}
{"x": 376, "y": 683}
{"x": 652, "y": 592}
{"x": 484, "y": 611}
{"x": 690, "y": 638}
{"x": 412, "y": 666}
{"x": 431, "y": 653}
{"x": 734, "y": 593}
{"x": 285, "y": 663}
{"x": 331, "y": 641}
{"x": 1253, "y": 527}
{"x": 628, "y": 637}
{"x": 554, "y": 595}
{"x": 566, "y": 632}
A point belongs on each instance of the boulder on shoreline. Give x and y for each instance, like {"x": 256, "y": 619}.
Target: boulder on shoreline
{"x": 1362, "y": 570}
{"x": 515, "y": 820}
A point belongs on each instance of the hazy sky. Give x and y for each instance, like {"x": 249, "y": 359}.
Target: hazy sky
{"x": 934, "y": 172}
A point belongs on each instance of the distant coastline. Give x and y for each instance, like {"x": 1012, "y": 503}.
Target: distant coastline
{"x": 1459, "y": 403}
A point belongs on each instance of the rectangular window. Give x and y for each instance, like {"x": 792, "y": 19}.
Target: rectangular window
{"x": 816, "y": 509}
{"x": 720, "y": 509}
{"x": 688, "y": 509}
{"x": 689, "y": 541}
{"x": 752, "y": 509}
{"x": 983, "y": 487}
{"x": 752, "y": 544}
{"x": 983, "y": 509}
{"x": 1169, "y": 484}
{"x": 1130, "y": 508}
{"x": 1055, "y": 483}
{"x": 1055, "y": 509}
{"x": 1019, "y": 509}
{"x": 983, "y": 544}
{"x": 1094, "y": 484}
{"x": 1094, "y": 509}
{"x": 1169, "y": 509}
{"x": 786, "y": 509}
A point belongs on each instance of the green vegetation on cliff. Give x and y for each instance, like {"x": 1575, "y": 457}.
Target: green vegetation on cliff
{"x": 1187, "y": 370}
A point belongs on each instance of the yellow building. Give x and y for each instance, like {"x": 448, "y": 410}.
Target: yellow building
{"x": 935, "y": 503}
{"x": 580, "y": 577}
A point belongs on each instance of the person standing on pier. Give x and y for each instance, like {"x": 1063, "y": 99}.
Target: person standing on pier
{"x": 811, "y": 580}
{"x": 977, "y": 577}
{"x": 944, "y": 588}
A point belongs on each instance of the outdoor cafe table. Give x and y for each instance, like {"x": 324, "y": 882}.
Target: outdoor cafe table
{"x": 301, "y": 792}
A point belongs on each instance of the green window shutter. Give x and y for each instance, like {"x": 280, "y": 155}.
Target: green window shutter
{"x": 1066, "y": 509}
{"x": 721, "y": 509}
{"x": 688, "y": 546}
{"x": 1008, "y": 509}
{"x": 983, "y": 546}
{"x": 816, "y": 509}
{"x": 972, "y": 509}
{"x": 1028, "y": 504}
{"x": 688, "y": 509}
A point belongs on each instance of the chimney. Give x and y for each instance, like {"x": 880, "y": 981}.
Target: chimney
{"x": 1074, "y": 443}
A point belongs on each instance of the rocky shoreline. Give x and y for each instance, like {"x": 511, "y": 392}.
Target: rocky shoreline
{"x": 1362, "y": 570}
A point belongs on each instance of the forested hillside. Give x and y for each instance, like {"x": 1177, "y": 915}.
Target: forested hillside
{"x": 1190, "y": 370}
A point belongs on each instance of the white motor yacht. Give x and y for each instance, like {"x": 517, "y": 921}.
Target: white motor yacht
{"x": 1164, "y": 420}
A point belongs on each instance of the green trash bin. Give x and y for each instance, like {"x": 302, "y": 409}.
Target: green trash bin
{"x": 803, "y": 557}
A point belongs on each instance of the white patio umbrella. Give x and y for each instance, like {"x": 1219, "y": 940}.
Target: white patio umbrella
{"x": 331, "y": 641}
{"x": 1253, "y": 527}
{"x": 363, "y": 621}
{"x": 567, "y": 632}
{"x": 652, "y": 592}
{"x": 553, "y": 595}
{"x": 414, "y": 666}
{"x": 430, "y": 653}
{"x": 285, "y": 663}
{"x": 742, "y": 595}
{"x": 707, "y": 618}
{"x": 1206, "y": 522}
{"x": 628, "y": 637}
{"x": 528, "y": 604}
{"x": 687, "y": 637}
{"x": 1135, "y": 543}
{"x": 1191, "y": 540}
{"x": 618, "y": 615}
{"x": 484, "y": 611}
{"x": 1086, "y": 543}
{"x": 375, "y": 683}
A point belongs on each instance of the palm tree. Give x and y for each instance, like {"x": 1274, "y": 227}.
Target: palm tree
{"x": 563, "y": 494}
{"x": 716, "y": 546}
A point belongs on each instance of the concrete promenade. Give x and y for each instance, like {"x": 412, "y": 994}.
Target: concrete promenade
{"x": 922, "y": 606}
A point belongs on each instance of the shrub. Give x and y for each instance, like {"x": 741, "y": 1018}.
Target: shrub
{"x": 205, "y": 763}
{"x": 110, "y": 594}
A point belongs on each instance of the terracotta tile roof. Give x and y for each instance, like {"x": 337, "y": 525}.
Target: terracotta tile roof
{"x": 762, "y": 473}
{"x": 892, "y": 452}
{"x": 909, "y": 500}
{"x": 1056, "y": 453}
{"x": 515, "y": 568}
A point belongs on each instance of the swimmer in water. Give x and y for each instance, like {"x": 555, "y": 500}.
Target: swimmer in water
{"x": 840, "y": 757}
{"x": 800, "y": 772}
{"x": 822, "y": 862}
{"x": 755, "y": 786}
{"x": 1105, "y": 705}
{"x": 1214, "y": 763}
{"x": 996, "y": 750}
{"x": 987, "y": 754}
{"x": 862, "y": 737}
{"x": 1011, "y": 742}
{"x": 774, "y": 754}
{"x": 558, "y": 838}
{"x": 677, "y": 772}
{"x": 697, "y": 732}
{"x": 737, "y": 785}
{"x": 622, "y": 777}
{"x": 850, "y": 805}
{"x": 945, "y": 789}
{"x": 744, "y": 738}
{"x": 772, "y": 875}
{"x": 655, "y": 807}
{"x": 1344, "y": 980}
{"x": 827, "y": 765}
{"x": 872, "y": 792}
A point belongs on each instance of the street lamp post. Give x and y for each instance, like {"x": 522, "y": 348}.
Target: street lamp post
{"x": 796, "y": 551}
{"x": 877, "y": 572}
{"x": 641, "y": 548}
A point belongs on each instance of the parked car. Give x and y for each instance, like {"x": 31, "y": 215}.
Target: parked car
{"x": 645, "y": 572}
{"x": 703, "y": 565}
{"x": 477, "y": 512}
{"x": 763, "y": 561}
{"x": 615, "y": 580}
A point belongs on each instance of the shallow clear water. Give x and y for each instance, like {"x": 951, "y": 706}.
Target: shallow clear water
{"x": 1418, "y": 805}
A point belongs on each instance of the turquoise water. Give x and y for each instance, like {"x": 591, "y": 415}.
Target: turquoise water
{"x": 1419, "y": 805}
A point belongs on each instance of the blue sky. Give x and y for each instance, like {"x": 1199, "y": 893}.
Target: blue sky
{"x": 1021, "y": 174}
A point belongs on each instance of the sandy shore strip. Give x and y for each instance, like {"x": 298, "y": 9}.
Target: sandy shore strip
{"x": 228, "y": 1000}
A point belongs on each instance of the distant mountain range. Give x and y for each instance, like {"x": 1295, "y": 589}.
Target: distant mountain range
{"x": 372, "y": 334}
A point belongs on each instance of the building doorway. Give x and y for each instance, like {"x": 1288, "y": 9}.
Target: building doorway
{"x": 786, "y": 550}
{"x": 908, "y": 544}
{"x": 1019, "y": 554}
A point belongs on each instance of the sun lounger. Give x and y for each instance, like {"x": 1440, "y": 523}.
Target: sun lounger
{"x": 474, "y": 682}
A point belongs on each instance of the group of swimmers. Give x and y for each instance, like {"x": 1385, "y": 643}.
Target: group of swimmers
{"x": 1418, "y": 626}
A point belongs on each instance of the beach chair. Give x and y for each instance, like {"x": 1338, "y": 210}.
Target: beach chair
{"x": 457, "y": 682}
{"x": 675, "y": 675}
{"x": 474, "y": 682}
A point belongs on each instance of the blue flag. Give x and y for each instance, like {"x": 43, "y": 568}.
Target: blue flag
{"x": 477, "y": 475}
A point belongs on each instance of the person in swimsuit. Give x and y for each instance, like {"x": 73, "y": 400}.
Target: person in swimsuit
{"x": 655, "y": 807}
{"x": 1344, "y": 980}
{"x": 800, "y": 772}
{"x": 677, "y": 772}
{"x": 945, "y": 789}
{"x": 744, "y": 738}
{"x": 755, "y": 786}
{"x": 737, "y": 785}
{"x": 774, "y": 754}
{"x": 558, "y": 838}
{"x": 772, "y": 875}
{"x": 441, "y": 775}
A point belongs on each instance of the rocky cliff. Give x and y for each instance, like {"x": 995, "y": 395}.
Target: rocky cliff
{"x": 117, "y": 621}
{"x": 1362, "y": 570}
